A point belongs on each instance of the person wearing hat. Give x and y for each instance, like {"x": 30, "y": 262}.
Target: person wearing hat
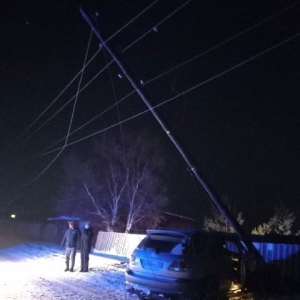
{"x": 85, "y": 247}
{"x": 71, "y": 241}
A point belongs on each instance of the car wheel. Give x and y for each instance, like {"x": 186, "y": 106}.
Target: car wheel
{"x": 210, "y": 289}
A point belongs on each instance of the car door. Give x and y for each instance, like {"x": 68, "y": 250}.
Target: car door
{"x": 220, "y": 258}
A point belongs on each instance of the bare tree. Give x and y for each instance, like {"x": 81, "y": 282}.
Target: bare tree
{"x": 121, "y": 184}
{"x": 280, "y": 223}
{"x": 261, "y": 229}
{"x": 143, "y": 206}
{"x": 80, "y": 192}
{"x": 217, "y": 222}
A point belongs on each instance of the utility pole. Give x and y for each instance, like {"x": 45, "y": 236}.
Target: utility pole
{"x": 252, "y": 252}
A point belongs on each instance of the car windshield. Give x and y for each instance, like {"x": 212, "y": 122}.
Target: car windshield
{"x": 163, "y": 243}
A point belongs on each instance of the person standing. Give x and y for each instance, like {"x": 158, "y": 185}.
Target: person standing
{"x": 85, "y": 247}
{"x": 71, "y": 241}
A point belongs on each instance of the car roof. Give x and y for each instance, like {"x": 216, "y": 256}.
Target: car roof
{"x": 174, "y": 230}
{"x": 192, "y": 231}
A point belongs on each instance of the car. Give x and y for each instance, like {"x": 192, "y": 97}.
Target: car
{"x": 184, "y": 264}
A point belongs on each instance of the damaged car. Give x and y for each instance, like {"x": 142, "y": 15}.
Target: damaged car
{"x": 185, "y": 264}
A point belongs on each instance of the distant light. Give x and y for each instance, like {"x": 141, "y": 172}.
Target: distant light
{"x": 13, "y": 216}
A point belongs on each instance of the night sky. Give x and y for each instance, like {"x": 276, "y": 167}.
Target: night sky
{"x": 226, "y": 73}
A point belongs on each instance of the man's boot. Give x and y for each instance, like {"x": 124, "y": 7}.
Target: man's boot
{"x": 67, "y": 267}
{"x": 72, "y": 267}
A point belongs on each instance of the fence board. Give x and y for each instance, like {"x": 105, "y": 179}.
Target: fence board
{"x": 115, "y": 243}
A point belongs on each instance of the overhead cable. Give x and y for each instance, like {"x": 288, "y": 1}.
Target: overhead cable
{"x": 166, "y": 72}
{"x": 182, "y": 93}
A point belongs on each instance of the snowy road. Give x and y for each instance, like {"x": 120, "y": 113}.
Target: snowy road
{"x": 35, "y": 271}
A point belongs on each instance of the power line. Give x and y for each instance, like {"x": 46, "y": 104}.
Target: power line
{"x": 90, "y": 121}
{"x": 57, "y": 97}
{"x": 182, "y": 93}
{"x": 168, "y": 16}
{"x": 172, "y": 69}
{"x": 71, "y": 119}
{"x": 68, "y": 85}
{"x": 223, "y": 42}
{"x": 118, "y": 113}
{"x": 107, "y": 65}
{"x": 164, "y": 102}
{"x": 131, "y": 21}
{"x": 78, "y": 91}
{"x": 69, "y": 101}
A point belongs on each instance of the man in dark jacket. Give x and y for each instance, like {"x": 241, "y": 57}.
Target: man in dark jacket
{"x": 72, "y": 241}
{"x": 85, "y": 247}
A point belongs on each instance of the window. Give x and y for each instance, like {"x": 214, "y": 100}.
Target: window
{"x": 163, "y": 243}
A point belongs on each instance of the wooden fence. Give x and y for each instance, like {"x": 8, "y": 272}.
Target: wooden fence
{"x": 117, "y": 244}
{"x": 32, "y": 231}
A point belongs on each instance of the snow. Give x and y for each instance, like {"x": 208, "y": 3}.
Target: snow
{"x": 36, "y": 271}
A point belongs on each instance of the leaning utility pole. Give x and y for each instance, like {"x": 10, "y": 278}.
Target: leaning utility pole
{"x": 252, "y": 252}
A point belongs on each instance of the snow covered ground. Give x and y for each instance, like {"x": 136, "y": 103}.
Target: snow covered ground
{"x": 36, "y": 271}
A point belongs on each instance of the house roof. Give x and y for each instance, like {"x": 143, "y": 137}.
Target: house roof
{"x": 65, "y": 218}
